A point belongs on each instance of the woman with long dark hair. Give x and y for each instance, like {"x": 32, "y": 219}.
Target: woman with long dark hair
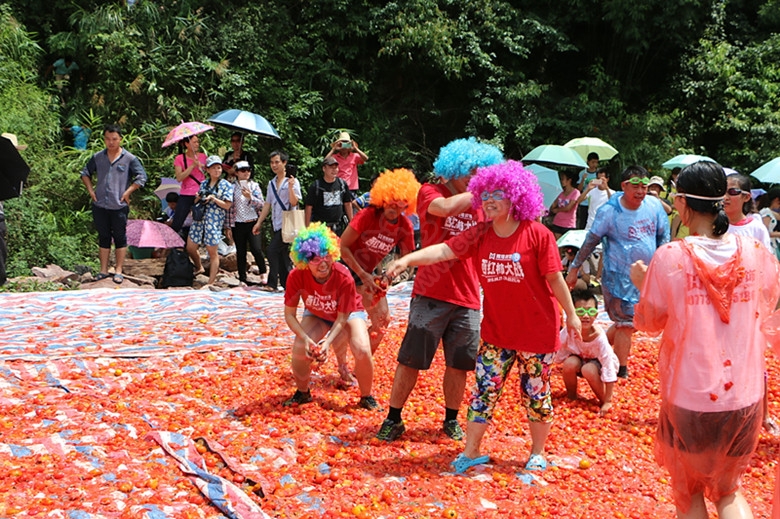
{"x": 189, "y": 169}
{"x": 708, "y": 293}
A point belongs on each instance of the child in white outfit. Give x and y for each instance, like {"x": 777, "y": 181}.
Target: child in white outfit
{"x": 592, "y": 357}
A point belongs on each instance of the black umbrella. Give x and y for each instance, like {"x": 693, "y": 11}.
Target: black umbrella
{"x": 13, "y": 170}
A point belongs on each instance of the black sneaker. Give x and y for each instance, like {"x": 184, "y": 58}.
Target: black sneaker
{"x": 298, "y": 398}
{"x": 368, "y": 402}
{"x": 452, "y": 429}
{"x": 623, "y": 372}
{"x": 390, "y": 430}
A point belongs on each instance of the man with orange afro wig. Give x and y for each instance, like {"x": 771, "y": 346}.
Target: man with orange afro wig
{"x": 372, "y": 235}
{"x": 445, "y": 298}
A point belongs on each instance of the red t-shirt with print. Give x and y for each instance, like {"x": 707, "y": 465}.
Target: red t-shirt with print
{"x": 520, "y": 311}
{"x": 377, "y": 236}
{"x": 450, "y": 281}
{"x": 325, "y": 300}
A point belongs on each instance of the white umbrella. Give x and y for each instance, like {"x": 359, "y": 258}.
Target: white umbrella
{"x": 586, "y": 145}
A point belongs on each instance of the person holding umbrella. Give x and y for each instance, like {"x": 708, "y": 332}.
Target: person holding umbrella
{"x": 119, "y": 174}
{"x": 188, "y": 168}
{"x": 3, "y": 245}
{"x": 233, "y": 157}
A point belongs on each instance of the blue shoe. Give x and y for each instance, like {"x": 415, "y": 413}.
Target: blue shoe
{"x": 462, "y": 463}
{"x": 536, "y": 463}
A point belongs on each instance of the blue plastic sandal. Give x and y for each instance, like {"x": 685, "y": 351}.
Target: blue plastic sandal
{"x": 462, "y": 463}
{"x": 536, "y": 463}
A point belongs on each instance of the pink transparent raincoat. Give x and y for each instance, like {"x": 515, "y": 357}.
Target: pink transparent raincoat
{"x": 709, "y": 297}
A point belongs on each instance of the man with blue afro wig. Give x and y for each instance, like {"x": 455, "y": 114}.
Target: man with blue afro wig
{"x": 445, "y": 298}
{"x": 462, "y": 157}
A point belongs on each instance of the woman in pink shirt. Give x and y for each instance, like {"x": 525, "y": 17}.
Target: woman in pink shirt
{"x": 517, "y": 261}
{"x": 709, "y": 294}
{"x": 565, "y": 206}
{"x": 189, "y": 169}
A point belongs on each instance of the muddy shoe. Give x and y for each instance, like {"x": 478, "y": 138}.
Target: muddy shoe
{"x": 368, "y": 402}
{"x": 298, "y": 398}
{"x": 390, "y": 430}
{"x": 452, "y": 429}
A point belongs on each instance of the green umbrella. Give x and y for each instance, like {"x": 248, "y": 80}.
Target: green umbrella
{"x": 555, "y": 154}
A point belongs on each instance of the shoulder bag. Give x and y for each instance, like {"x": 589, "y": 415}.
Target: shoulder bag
{"x": 293, "y": 220}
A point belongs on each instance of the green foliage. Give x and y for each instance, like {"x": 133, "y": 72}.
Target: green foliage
{"x": 37, "y": 285}
{"x": 404, "y": 77}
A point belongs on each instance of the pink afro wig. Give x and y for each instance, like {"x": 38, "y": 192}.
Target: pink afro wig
{"x": 519, "y": 185}
{"x": 315, "y": 240}
{"x": 398, "y": 185}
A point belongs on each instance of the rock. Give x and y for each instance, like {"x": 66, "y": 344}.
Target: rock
{"x": 54, "y": 273}
{"x": 229, "y": 281}
{"x": 229, "y": 262}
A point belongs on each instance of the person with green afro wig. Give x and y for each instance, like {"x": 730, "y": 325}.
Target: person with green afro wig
{"x": 333, "y": 313}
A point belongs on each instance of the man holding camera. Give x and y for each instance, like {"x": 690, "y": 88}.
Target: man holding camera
{"x": 349, "y": 157}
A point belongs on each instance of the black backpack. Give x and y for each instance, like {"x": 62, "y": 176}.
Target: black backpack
{"x": 179, "y": 270}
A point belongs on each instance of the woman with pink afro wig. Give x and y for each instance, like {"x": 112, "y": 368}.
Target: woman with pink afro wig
{"x": 517, "y": 261}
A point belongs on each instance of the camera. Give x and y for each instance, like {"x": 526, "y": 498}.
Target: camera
{"x": 290, "y": 170}
{"x": 346, "y": 145}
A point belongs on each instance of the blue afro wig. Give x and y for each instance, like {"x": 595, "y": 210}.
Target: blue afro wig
{"x": 458, "y": 158}
{"x": 520, "y": 187}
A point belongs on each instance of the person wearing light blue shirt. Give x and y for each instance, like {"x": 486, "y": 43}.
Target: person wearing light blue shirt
{"x": 283, "y": 194}
{"x": 631, "y": 226}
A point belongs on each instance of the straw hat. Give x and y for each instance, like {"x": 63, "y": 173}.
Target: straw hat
{"x": 11, "y": 137}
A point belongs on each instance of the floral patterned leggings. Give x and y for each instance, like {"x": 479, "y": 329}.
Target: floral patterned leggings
{"x": 493, "y": 366}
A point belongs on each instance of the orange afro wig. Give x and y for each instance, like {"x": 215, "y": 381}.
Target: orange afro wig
{"x": 397, "y": 185}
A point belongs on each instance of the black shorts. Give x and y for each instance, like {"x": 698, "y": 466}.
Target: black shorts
{"x": 732, "y": 432}
{"x": 432, "y": 321}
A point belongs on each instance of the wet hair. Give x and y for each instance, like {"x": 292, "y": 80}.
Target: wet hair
{"x": 172, "y": 197}
{"x": 743, "y": 182}
{"x": 278, "y": 153}
{"x": 459, "y": 158}
{"x": 705, "y": 178}
{"x": 593, "y": 155}
{"x": 112, "y": 128}
{"x": 633, "y": 171}
{"x": 315, "y": 240}
{"x": 520, "y": 187}
{"x": 583, "y": 294}
{"x": 396, "y": 185}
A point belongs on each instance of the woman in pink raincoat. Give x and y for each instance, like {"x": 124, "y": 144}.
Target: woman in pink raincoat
{"x": 708, "y": 294}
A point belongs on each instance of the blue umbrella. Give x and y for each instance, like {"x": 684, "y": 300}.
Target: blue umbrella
{"x": 680, "y": 161}
{"x": 769, "y": 173}
{"x": 548, "y": 181}
{"x": 243, "y": 121}
{"x": 555, "y": 154}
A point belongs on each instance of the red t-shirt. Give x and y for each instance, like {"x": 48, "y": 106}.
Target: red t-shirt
{"x": 520, "y": 311}
{"x": 377, "y": 236}
{"x": 325, "y": 300}
{"x": 450, "y": 281}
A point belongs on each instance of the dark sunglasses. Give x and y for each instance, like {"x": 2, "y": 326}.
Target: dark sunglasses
{"x": 733, "y": 191}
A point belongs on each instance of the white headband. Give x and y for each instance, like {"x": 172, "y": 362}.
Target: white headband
{"x": 697, "y": 197}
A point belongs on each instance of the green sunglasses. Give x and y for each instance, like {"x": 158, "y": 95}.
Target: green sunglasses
{"x": 638, "y": 180}
{"x": 582, "y": 312}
